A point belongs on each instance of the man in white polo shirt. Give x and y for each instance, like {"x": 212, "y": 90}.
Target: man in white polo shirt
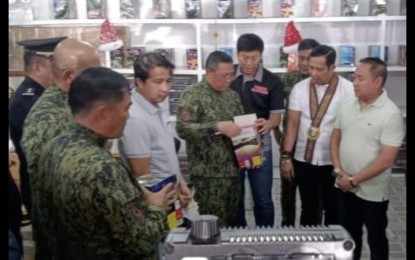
{"x": 311, "y": 113}
{"x": 147, "y": 143}
{"x": 367, "y": 134}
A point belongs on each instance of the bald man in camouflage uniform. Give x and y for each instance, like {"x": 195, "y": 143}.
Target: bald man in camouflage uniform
{"x": 205, "y": 111}
{"x": 51, "y": 115}
{"x": 96, "y": 209}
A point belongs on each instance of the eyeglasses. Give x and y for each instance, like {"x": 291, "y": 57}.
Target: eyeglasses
{"x": 246, "y": 59}
{"x": 224, "y": 76}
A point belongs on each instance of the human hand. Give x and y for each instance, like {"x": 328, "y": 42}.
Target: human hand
{"x": 163, "y": 198}
{"x": 185, "y": 194}
{"x": 342, "y": 182}
{"x": 263, "y": 126}
{"x": 287, "y": 169}
{"x": 228, "y": 128}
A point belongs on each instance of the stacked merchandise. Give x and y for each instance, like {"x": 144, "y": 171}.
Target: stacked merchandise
{"x": 349, "y": 7}
{"x": 179, "y": 83}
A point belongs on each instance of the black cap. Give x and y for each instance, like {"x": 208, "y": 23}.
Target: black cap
{"x": 42, "y": 47}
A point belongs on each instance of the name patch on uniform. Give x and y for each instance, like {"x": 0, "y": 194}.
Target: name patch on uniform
{"x": 260, "y": 90}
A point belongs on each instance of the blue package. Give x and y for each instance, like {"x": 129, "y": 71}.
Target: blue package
{"x": 155, "y": 182}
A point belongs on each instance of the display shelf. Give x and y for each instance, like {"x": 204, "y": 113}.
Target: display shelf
{"x": 130, "y": 22}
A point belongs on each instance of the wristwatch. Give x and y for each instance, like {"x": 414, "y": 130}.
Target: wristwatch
{"x": 350, "y": 179}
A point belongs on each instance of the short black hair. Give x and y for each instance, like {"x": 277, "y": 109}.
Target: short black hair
{"x": 307, "y": 44}
{"x": 217, "y": 57}
{"x": 145, "y": 62}
{"x": 328, "y": 52}
{"x": 378, "y": 67}
{"x": 249, "y": 42}
{"x": 96, "y": 84}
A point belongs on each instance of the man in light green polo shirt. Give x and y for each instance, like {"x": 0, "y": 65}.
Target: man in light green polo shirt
{"x": 366, "y": 137}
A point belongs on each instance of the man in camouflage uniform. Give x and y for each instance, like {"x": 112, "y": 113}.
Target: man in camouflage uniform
{"x": 204, "y": 120}
{"x": 289, "y": 187}
{"x": 95, "y": 207}
{"x": 49, "y": 116}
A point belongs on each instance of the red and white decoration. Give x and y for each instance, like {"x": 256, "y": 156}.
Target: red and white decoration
{"x": 292, "y": 38}
{"x": 108, "y": 38}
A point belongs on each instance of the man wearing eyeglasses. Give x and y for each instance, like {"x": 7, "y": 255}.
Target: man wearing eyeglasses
{"x": 204, "y": 119}
{"x": 261, "y": 93}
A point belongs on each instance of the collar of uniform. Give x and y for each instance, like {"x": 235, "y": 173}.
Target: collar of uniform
{"x": 258, "y": 75}
{"x": 144, "y": 103}
{"x": 37, "y": 88}
{"x": 89, "y": 134}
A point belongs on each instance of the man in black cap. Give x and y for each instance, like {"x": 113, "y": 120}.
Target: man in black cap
{"x": 38, "y": 76}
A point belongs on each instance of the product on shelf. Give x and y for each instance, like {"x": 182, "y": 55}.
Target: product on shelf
{"x": 349, "y": 7}
{"x": 168, "y": 53}
{"x": 227, "y": 50}
{"x": 191, "y": 58}
{"x": 117, "y": 58}
{"x": 374, "y": 51}
{"x": 161, "y": 8}
{"x": 379, "y": 7}
{"x": 254, "y": 8}
{"x": 94, "y": 9}
{"x": 131, "y": 54}
{"x": 287, "y": 8}
{"x": 402, "y": 9}
{"x": 192, "y": 8}
{"x": 179, "y": 83}
{"x": 347, "y": 55}
{"x": 319, "y": 8}
{"x": 64, "y": 9}
{"x": 20, "y": 13}
{"x": 402, "y": 55}
{"x": 128, "y": 9}
{"x": 224, "y": 8}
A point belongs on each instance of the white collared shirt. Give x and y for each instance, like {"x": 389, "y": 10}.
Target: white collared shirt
{"x": 299, "y": 100}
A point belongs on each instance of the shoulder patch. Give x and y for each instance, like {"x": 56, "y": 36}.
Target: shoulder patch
{"x": 185, "y": 115}
{"x": 135, "y": 212}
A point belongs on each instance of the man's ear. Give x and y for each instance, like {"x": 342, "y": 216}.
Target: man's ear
{"x": 139, "y": 83}
{"x": 69, "y": 75}
{"x": 100, "y": 112}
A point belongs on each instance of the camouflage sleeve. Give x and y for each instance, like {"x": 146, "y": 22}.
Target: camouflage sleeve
{"x": 190, "y": 116}
{"x": 37, "y": 130}
{"x": 133, "y": 222}
{"x": 287, "y": 85}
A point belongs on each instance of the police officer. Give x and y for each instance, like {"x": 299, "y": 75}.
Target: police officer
{"x": 38, "y": 76}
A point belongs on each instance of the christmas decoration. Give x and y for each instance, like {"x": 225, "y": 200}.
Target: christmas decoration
{"x": 291, "y": 40}
{"x": 108, "y": 38}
